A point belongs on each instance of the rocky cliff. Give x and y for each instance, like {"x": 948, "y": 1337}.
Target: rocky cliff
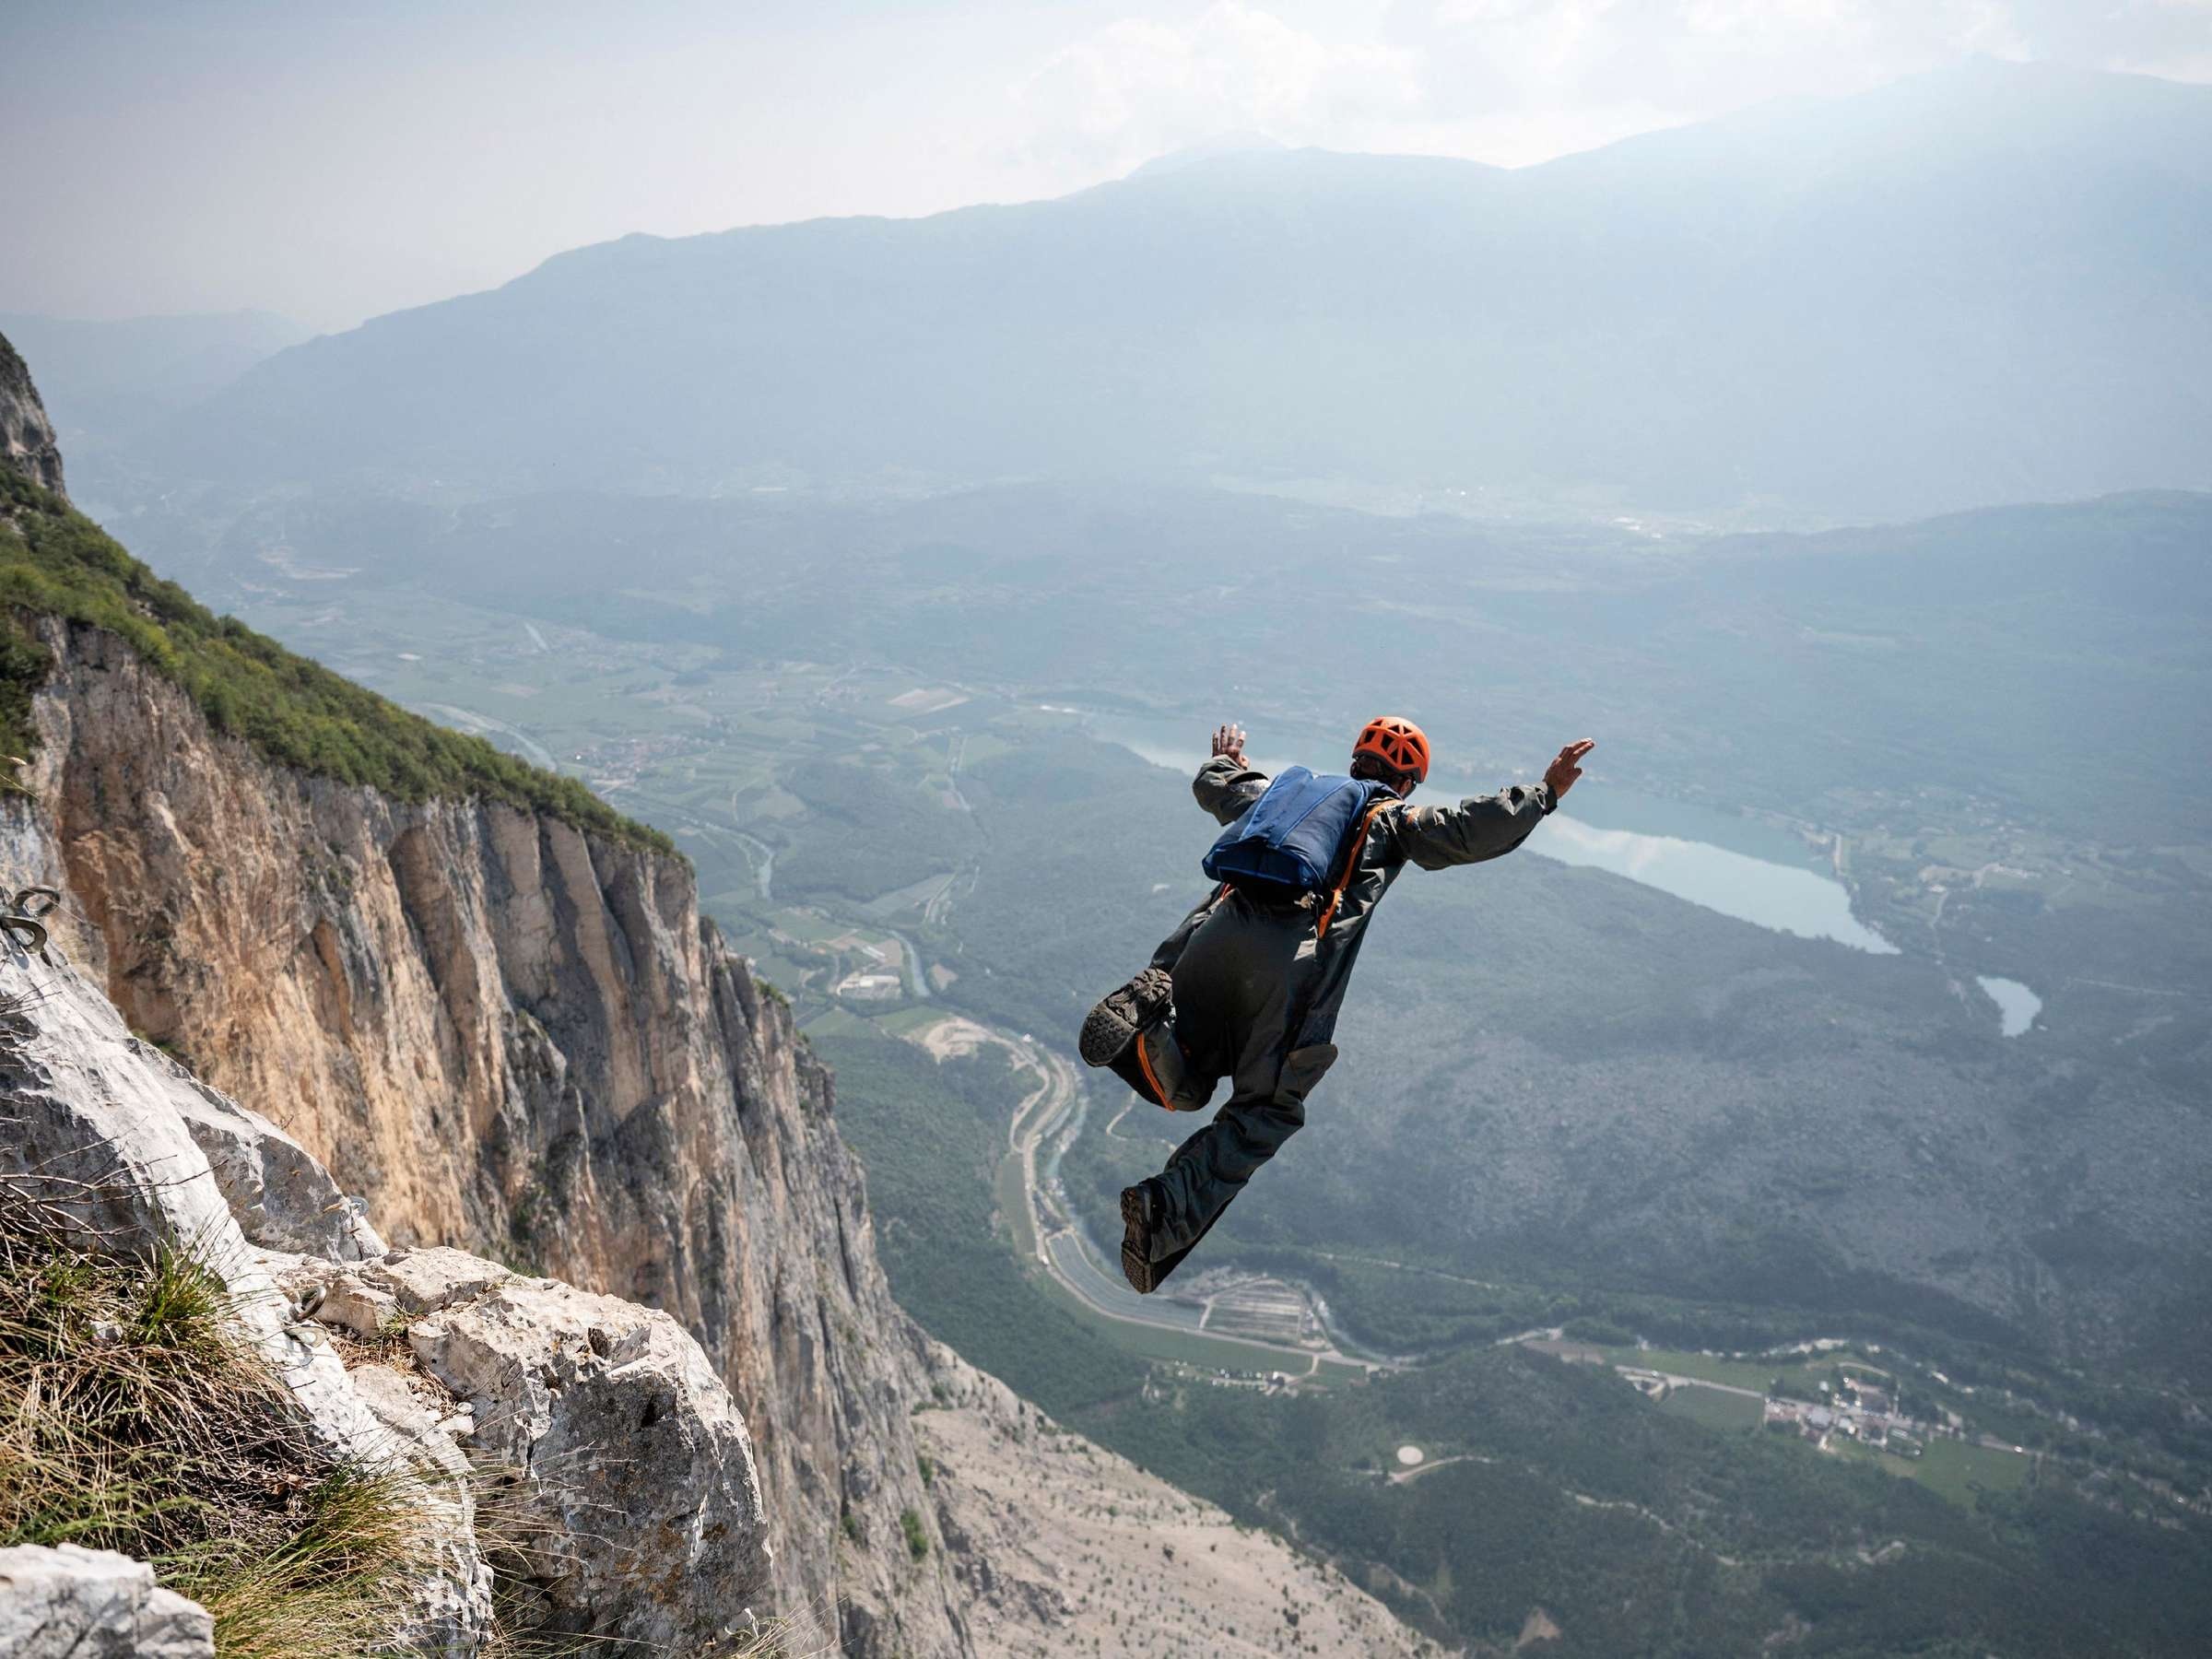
{"x": 509, "y": 1036}
{"x": 26, "y": 435}
{"x": 619, "y": 1458}
{"x": 504, "y": 1028}
{"x": 628, "y": 1506}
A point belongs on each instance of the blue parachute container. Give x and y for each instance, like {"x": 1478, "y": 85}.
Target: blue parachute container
{"x": 1293, "y": 836}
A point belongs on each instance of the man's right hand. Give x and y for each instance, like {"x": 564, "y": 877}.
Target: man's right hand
{"x": 1228, "y": 741}
{"x": 1560, "y": 774}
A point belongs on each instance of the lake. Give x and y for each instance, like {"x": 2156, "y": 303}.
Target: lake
{"x": 2017, "y": 1005}
{"x": 1791, "y": 899}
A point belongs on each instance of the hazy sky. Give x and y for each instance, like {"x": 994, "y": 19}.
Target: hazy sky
{"x": 332, "y": 160}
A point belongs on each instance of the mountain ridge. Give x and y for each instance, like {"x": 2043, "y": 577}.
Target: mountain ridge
{"x": 1696, "y": 320}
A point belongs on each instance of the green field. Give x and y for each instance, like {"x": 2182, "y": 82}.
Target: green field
{"x": 1012, "y": 1199}
{"x": 838, "y": 1022}
{"x": 908, "y": 1022}
{"x": 807, "y": 928}
{"x": 1959, "y": 1470}
{"x": 1713, "y": 1408}
{"x": 1953, "y": 1469}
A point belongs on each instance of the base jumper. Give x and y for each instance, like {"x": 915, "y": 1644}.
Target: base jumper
{"x": 1248, "y": 986}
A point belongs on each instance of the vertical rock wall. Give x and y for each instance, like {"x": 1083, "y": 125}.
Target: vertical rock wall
{"x": 510, "y": 1037}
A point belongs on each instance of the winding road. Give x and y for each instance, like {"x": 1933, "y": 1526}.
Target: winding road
{"x": 1050, "y": 1111}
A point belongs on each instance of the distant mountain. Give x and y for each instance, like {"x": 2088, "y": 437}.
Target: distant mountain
{"x": 1990, "y": 283}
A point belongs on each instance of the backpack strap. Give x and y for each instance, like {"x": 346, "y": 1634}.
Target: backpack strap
{"x": 1351, "y": 864}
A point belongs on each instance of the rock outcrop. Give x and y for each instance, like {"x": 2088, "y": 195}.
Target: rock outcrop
{"x": 616, "y": 1449}
{"x": 94, "y": 1130}
{"x": 68, "y": 1603}
{"x": 26, "y": 435}
{"x": 618, "y": 1456}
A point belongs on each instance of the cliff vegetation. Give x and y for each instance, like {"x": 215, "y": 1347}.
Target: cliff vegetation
{"x": 293, "y": 711}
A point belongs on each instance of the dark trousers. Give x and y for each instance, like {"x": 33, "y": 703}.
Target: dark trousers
{"x": 1237, "y": 978}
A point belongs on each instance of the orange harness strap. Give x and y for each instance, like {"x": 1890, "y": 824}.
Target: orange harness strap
{"x": 1143, "y": 1064}
{"x": 1328, "y": 913}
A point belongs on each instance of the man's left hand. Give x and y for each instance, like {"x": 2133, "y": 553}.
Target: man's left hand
{"x": 1229, "y": 742}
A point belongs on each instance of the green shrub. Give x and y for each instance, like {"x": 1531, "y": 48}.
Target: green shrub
{"x": 295, "y": 713}
{"x": 917, "y": 1536}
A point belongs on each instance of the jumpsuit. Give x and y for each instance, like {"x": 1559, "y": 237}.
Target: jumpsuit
{"x": 1257, "y": 994}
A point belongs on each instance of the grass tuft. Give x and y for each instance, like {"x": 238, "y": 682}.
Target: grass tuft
{"x": 132, "y": 1418}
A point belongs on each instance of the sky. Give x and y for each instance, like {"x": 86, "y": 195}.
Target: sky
{"x": 330, "y": 160}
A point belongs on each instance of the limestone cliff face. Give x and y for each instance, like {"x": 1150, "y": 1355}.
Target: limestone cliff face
{"x": 26, "y": 435}
{"x": 507, "y": 1036}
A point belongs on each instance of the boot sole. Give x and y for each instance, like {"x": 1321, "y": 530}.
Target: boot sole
{"x": 1113, "y": 1025}
{"x": 1105, "y": 1035}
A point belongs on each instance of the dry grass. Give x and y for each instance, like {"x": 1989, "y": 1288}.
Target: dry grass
{"x": 133, "y": 1418}
{"x": 775, "y": 1638}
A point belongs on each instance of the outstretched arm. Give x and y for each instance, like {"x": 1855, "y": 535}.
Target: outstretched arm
{"x": 1484, "y": 826}
{"x": 1225, "y": 785}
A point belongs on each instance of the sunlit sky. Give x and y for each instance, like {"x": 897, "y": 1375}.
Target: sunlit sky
{"x": 334, "y": 160}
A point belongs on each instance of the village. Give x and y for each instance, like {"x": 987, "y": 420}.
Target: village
{"x": 1861, "y": 1409}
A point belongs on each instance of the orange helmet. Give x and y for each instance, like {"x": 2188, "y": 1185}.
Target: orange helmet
{"x": 1398, "y": 744}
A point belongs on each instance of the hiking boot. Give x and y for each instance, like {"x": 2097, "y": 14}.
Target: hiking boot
{"x": 1140, "y": 1215}
{"x": 1112, "y": 1024}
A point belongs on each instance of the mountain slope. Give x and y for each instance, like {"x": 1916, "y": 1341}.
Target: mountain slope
{"x": 1985, "y": 284}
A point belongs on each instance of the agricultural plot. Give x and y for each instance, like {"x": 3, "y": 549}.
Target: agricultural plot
{"x": 1267, "y": 1309}
{"x": 1953, "y": 1469}
{"x": 1731, "y": 1413}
